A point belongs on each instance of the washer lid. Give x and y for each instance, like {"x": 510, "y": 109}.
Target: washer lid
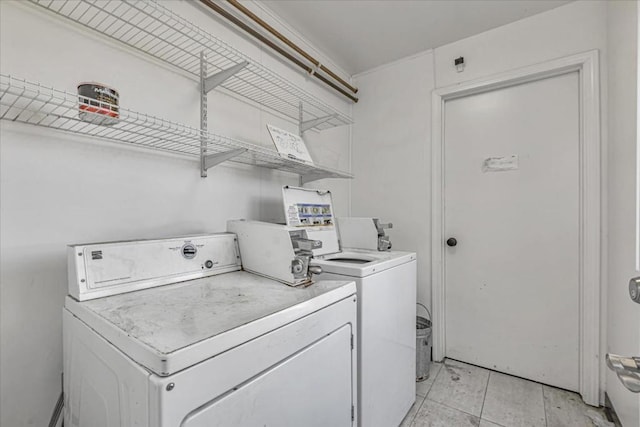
{"x": 361, "y": 263}
{"x": 170, "y": 328}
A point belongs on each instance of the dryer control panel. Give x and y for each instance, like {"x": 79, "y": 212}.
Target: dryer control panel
{"x": 101, "y": 269}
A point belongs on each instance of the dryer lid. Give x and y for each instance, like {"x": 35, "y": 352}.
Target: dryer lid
{"x": 312, "y": 210}
{"x": 170, "y": 328}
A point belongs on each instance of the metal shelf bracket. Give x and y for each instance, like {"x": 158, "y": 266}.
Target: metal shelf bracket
{"x": 309, "y": 124}
{"x": 313, "y": 177}
{"x": 206, "y": 85}
{"x": 211, "y": 160}
{"x": 305, "y": 125}
{"x": 218, "y": 78}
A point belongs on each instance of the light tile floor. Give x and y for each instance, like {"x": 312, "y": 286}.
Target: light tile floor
{"x": 460, "y": 395}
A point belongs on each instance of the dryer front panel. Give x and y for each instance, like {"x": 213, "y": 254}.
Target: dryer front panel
{"x": 279, "y": 397}
{"x": 302, "y": 374}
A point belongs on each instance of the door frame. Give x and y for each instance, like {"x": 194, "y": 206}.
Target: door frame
{"x": 587, "y": 65}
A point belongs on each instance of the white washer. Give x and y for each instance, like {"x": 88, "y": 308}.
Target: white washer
{"x": 231, "y": 349}
{"x": 386, "y": 283}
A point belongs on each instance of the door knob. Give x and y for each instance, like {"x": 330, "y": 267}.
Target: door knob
{"x": 451, "y": 241}
{"x": 634, "y": 289}
{"x": 627, "y": 369}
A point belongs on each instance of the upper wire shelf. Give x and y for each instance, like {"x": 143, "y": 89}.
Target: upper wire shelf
{"x": 35, "y": 104}
{"x": 155, "y": 30}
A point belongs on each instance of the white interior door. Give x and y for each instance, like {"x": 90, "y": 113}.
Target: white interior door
{"x": 511, "y": 200}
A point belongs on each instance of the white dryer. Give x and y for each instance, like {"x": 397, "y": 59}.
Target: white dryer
{"x": 386, "y": 283}
{"x": 156, "y": 335}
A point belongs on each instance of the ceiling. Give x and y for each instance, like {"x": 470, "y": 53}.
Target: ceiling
{"x": 362, "y": 34}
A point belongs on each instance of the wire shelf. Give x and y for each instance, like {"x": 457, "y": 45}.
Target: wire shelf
{"x": 155, "y": 30}
{"x": 35, "y": 104}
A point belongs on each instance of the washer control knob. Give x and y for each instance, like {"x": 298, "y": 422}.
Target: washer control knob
{"x": 297, "y": 266}
{"x": 189, "y": 251}
{"x": 208, "y": 263}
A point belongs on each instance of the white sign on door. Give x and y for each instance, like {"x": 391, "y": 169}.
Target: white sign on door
{"x": 500, "y": 164}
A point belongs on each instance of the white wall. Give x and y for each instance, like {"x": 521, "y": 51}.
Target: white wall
{"x": 401, "y": 179}
{"x": 573, "y": 28}
{"x": 391, "y": 155}
{"x": 623, "y": 315}
{"x": 58, "y": 189}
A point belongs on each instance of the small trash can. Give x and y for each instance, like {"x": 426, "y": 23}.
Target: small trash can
{"x": 423, "y": 345}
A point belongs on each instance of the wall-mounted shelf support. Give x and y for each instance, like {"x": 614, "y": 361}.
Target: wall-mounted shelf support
{"x": 207, "y": 84}
{"x": 220, "y": 77}
{"x": 211, "y": 160}
{"x": 305, "y": 125}
{"x": 314, "y": 176}
{"x": 203, "y": 114}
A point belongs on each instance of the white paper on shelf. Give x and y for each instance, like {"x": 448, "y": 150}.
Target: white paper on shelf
{"x": 289, "y": 144}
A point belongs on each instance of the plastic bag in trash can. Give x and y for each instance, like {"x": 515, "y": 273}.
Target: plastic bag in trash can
{"x": 423, "y": 346}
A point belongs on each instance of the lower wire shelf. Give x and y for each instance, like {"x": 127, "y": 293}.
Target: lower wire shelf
{"x": 35, "y": 104}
